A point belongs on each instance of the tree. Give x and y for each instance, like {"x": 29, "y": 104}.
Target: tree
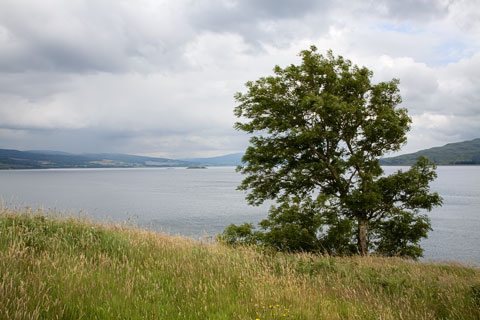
{"x": 317, "y": 132}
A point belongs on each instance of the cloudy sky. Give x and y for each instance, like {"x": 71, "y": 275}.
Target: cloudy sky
{"x": 158, "y": 77}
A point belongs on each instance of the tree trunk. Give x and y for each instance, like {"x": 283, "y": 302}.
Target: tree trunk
{"x": 362, "y": 236}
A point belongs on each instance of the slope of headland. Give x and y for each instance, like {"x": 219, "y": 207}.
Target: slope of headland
{"x": 459, "y": 153}
{"x": 15, "y": 159}
{"x": 54, "y": 267}
{"x": 46, "y": 159}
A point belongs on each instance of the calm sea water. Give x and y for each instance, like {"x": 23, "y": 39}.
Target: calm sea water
{"x": 203, "y": 202}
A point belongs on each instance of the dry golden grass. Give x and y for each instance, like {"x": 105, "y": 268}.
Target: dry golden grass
{"x": 55, "y": 267}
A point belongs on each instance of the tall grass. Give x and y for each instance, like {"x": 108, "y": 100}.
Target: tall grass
{"x": 67, "y": 268}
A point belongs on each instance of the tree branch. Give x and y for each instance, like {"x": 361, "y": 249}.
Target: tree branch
{"x": 332, "y": 170}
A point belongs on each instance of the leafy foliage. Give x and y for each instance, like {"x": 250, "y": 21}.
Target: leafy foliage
{"x": 318, "y": 130}
{"x": 399, "y": 236}
{"x": 240, "y": 235}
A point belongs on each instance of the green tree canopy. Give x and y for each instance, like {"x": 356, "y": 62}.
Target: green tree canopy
{"x": 317, "y": 131}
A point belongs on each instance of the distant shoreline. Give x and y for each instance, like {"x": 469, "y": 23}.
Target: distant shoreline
{"x": 202, "y": 167}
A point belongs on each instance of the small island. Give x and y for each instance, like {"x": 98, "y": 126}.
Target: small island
{"x": 196, "y": 167}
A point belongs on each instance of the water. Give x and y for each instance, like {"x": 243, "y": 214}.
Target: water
{"x": 192, "y": 202}
{"x": 456, "y": 225}
{"x": 203, "y": 202}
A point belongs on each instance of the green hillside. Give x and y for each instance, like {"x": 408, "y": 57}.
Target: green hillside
{"x": 459, "y": 153}
{"x": 14, "y": 159}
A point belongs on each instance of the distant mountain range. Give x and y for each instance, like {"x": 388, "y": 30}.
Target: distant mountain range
{"x": 234, "y": 159}
{"x": 459, "y": 153}
{"x": 38, "y": 159}
{"x": 45, "y": 159}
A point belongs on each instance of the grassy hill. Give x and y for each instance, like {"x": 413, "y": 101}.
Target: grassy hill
{"x": 460, "y": 153}
{"x": 64, "y": 268}
{"x": 37, "y": 159}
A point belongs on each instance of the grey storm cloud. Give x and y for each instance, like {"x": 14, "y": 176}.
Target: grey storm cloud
{"x": 247, "y": 17}
{"x": 158, "y": 77}
{"x": 112, "y": 36}
{"x": 413, "y": 9}
{"x": 89, "y": 36}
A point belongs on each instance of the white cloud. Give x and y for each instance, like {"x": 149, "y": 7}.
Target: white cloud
{"x": 48, "y": 114}
{"x": 158, "y": 77}
{"x": 432, "y": 121}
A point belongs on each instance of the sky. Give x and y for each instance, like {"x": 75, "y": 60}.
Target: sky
{"x": 158, "y": 77}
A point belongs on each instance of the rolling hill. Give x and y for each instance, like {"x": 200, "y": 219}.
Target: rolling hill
{"x": 459, "y": 153}
{"x": 38, "y": 159}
